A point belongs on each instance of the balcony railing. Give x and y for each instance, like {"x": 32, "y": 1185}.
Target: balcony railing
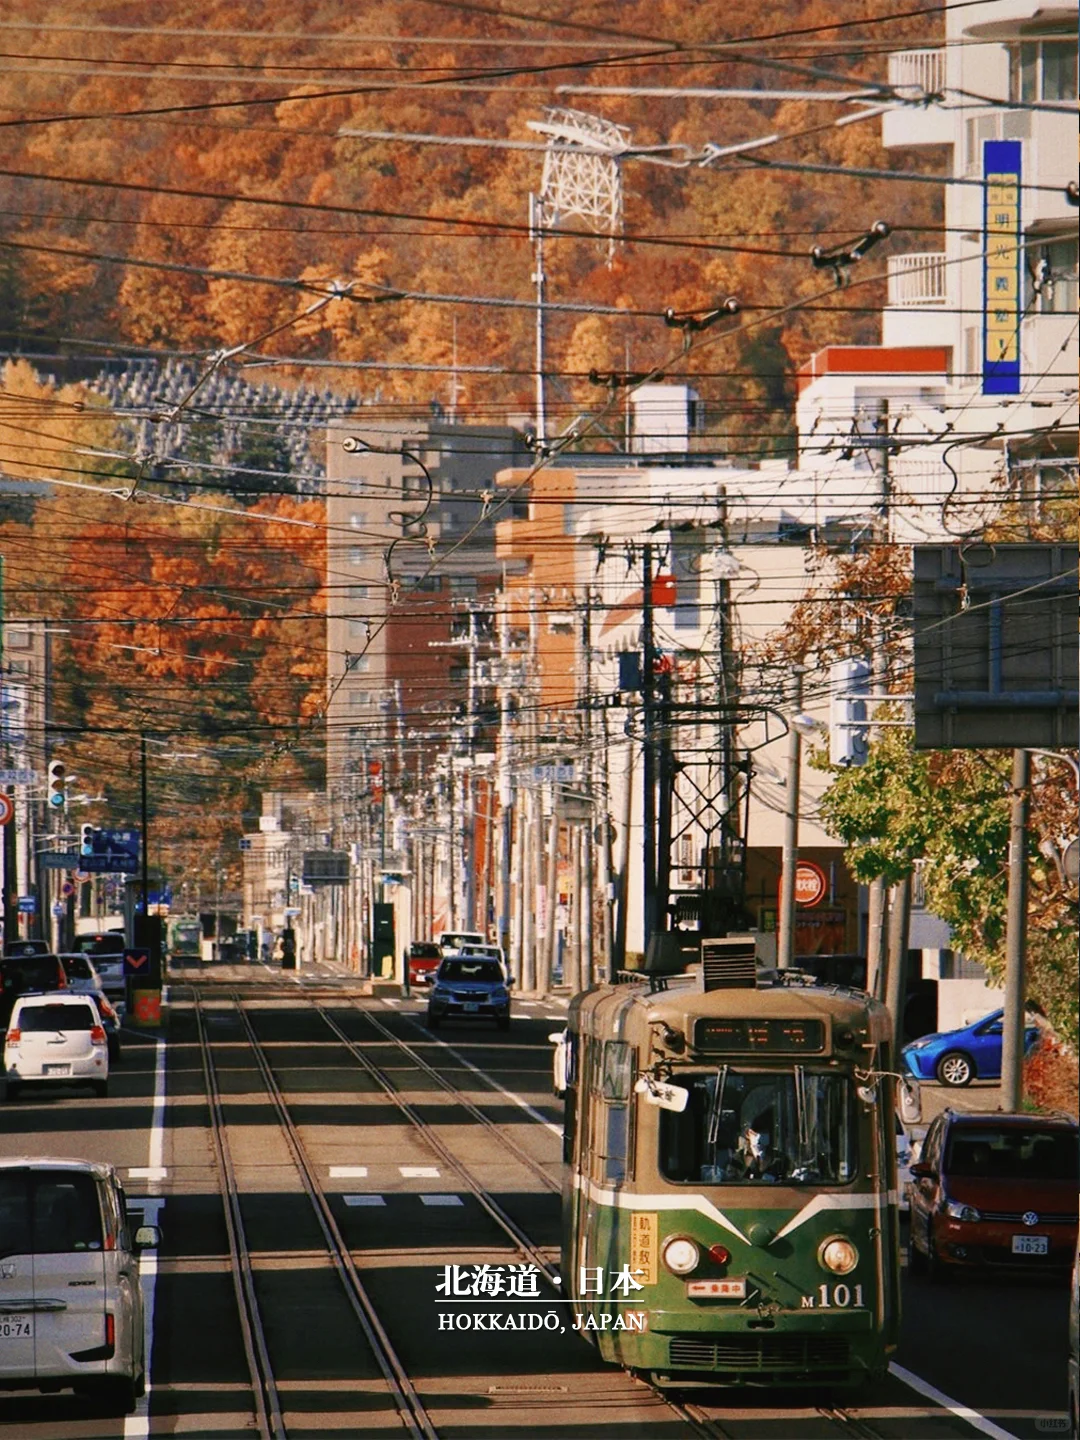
{"x": 917, "y": 281}
{"x": 917, "y": 71}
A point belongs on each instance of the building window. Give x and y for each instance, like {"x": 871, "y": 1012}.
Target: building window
{"x": 17, "y": 637}
{"x": 1043, "y": 70}
{"x": 357, "y": 592}
{"x": 360, "y": 663}
{"x": 358, "y": 556}
{"x": 358, "y": 519}
{"x": 359, "y": 629}
{"x": 1052, "y": 277}
{"x": 463, "y": 584}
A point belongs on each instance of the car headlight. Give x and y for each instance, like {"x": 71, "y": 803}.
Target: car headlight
{"x": 920, "y": 1044}
{"x": 838, "y": 1255}
{"x": 957, "y": 1210}
{"x": 680, "y": 1255}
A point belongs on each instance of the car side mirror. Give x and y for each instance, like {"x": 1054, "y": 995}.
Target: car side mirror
{"x": 922, "y": 1171}
{"x": 147, "y": 1237}
{"x": 510, "y": 982}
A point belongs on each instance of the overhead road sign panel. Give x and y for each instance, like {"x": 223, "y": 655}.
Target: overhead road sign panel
{"x": 995, "y": 647}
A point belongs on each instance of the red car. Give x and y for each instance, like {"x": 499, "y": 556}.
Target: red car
{"x": 995, "y": 1192}
{"x": 424, "y": 959}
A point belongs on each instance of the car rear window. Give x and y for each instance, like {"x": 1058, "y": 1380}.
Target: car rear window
{"x": 58, "y": 1016}
{"x": 1013, "y": 1154}
{"x": 48, "y": 1212}
{"x": 485, "y": 970}
{"x": 76, "y": 966}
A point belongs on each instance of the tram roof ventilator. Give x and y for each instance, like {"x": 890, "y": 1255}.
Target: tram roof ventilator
{"x": 729, "y": 962}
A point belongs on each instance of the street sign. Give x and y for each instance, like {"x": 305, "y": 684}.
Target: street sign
{"x": 19, "y": 777}
{"x": 81, "y": 877}
{"x": 27, "y": 904}
{"x": 137, "y": 962}
{"x": 561, "y": 773}
{"x": 95, "y": 864}
{"x": 59, "y": 910}
{"x": 811, "y": 883}
{"x": 7, "y": 809}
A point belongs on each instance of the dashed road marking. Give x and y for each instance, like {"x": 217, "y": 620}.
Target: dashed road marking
{"x": 357, "y": 1200}
{"x": 419, "y": 1172}
{"x": 348, "y": 1172}
{"x": 441, "y": 1200}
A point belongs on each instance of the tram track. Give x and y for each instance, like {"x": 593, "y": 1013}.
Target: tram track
{"x": 700, "y": 1419}
{"x": 268, "y": 1408}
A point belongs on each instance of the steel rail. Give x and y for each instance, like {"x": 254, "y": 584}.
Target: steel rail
{"x": 466, "y": 1104}
{"x": 509, "y": 1226}
{"x": 268, "y": 1414}
{"x": 409, "y": 1405}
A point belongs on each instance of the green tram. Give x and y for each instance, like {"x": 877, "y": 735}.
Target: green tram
{"x": 729, "y": 1202}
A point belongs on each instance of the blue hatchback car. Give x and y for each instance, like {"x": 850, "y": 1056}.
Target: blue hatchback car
{"x": 956, "y": 1057}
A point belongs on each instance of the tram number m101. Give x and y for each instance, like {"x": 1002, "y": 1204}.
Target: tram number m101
{"x": 835, "y": 1297}
{"x": 775, "y": 1037}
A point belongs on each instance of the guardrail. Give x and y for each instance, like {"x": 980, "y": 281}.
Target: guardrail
{"x": 918, "y": 70}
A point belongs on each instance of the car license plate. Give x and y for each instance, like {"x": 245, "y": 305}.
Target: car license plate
{"x": 56, "y": 1069}
{"x": 16, "y": 1328}
{"x": 1030, "y": 1245}
{"x": 716, "y": 1289}
{"x": 471, "y": 1007}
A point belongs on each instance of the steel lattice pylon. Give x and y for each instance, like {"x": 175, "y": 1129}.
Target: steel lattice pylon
{"x": 582, "y": 175}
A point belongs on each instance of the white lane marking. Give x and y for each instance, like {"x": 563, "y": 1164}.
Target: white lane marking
{"x": 147, "y": 1172}
{"x": 974, "y": 1418}
{"x": 419, "y": 1172}
{"x": 441, "y": 1200}
{"x": 348, "y": 1172}
{"x": 389, "y": 1000}
{"x": 522, "y": 1104}
{"x": 137, "y": 1426}
{"x": 355, "y": 1200}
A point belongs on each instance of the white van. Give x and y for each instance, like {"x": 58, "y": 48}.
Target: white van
{"x": 71, "y": 1309}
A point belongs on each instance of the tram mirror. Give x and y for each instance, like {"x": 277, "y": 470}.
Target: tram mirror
{"x": 909, "y": 1099}
{"x": 658, "y": 1092}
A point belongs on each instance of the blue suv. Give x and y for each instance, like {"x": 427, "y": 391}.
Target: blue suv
{"x": 956, "y": 1057}
{"x": 472, "y": 987}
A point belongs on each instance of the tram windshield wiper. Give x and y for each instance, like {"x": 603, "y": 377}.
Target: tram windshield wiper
{"x": 716, "y": 1110}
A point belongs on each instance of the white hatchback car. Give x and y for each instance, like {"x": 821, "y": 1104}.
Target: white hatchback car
{"x": 82, "y": 975}
{"x": 56, "y": 1038}
{"x": 71, "y": 1308}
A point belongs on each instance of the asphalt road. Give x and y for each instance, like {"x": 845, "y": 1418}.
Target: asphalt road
{"x": 994, "y": 1350}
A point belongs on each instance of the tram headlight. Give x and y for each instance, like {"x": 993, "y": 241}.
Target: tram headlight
{"x": 680, "y": 1255}
{"x": 838, "y": 1255}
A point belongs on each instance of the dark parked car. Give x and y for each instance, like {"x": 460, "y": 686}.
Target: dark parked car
{"x": 993, "y": 1191}
{"x": 27, "y": 974}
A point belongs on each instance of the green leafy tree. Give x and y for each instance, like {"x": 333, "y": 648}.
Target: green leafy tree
{"x": 948, "y": 812}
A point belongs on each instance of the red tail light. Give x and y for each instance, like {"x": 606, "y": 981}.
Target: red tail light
{"x": 14, "y": 1036}
{"x": 97, "y": 1035}
{"x": 110, "y": 1330}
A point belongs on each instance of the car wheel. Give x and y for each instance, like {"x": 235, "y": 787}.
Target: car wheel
{"x": 13, "y": 1089}
{"x": 101, "y": 1088}
{"x": 916, "y": 1260}
{"x": 955, "y": 1069}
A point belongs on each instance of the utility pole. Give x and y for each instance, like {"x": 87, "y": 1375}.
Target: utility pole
{"x": 896, "y": 969}
{"x": 785, "y": 945}
{"x": 543, "y": 983}
{"x": 648, "y": 673}
{"x": 1012, "y": 1048}
{"x": 618, "y": 954}
{"x": 585, "y": 903}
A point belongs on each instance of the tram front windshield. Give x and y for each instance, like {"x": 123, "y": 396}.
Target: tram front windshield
{"x": 754, "y": 1127}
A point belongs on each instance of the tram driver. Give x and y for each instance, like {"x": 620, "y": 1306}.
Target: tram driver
{"x": 754, "y": 1157}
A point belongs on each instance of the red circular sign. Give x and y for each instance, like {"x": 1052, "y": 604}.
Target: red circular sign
{"x": 7, "y": 809}
{"x": 811, "y": 883}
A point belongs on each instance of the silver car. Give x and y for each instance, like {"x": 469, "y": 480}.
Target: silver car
{"x": 71, "y": 1308}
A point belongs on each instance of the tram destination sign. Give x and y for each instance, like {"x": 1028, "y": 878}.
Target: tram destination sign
{"x": 743, "y": 1037}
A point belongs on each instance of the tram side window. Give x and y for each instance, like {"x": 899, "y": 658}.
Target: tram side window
{"x": 759, "y": 1128}
{"x": 570, "y": 1108}
{"x": 616, "y": 1084}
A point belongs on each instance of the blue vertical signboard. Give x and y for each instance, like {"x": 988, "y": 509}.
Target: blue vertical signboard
{"x": 1002, "y": 251}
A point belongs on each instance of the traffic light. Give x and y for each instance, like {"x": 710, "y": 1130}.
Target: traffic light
{"x": 57, "y": 793}
{"x": 86, "y": 839}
